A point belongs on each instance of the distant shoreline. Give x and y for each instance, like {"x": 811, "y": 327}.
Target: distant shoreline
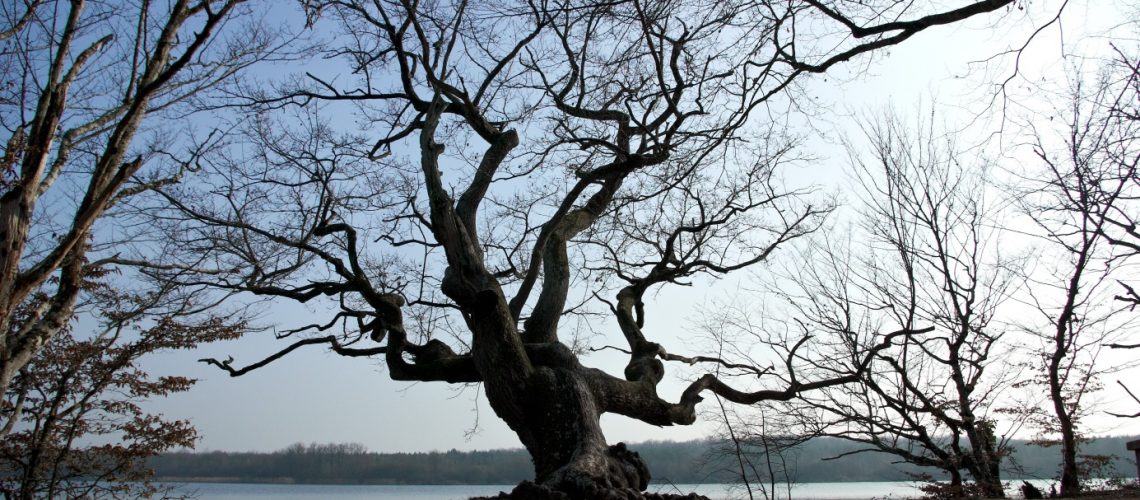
{"x": 694, "y": 462}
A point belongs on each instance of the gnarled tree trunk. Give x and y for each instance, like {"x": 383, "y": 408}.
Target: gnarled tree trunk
{"x": 565, "y": 440}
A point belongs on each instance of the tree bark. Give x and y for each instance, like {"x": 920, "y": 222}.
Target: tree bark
{"x": 985, "y": 459}
{"x": 560, "y": 406}
{"x": 1062, "y": 340}
{"x": 566, "y": 442}
{"x": 1070, "y": 476}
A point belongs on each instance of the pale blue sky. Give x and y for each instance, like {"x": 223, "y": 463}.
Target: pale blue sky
{"x": 316, "y": 396}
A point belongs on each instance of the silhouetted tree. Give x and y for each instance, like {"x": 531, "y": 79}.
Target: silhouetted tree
{"x": 516, "y": 161}
{"x": 923, "y": 251}
{"x": 80, "y": 79}
{"x": 757, "y": 449}
{"x": 1081, "y": 199}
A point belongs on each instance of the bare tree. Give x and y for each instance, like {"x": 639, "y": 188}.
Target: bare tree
{"x": 519, "y": 162}
{"x": 758, "y": 445}
{"x": 74, "y": 424}
{"x": 923, "y": 252}
{"x": 80, "y": 79}
{"x": 1080, "y": 200}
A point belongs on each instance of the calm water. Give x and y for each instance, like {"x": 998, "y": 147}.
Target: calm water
{"x": 228, "y": 491}
{"x": 805, "y": 491}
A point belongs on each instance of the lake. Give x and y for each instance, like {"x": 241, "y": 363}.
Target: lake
{"x": 805, "y": 491}
{"x": 233, "y": 491}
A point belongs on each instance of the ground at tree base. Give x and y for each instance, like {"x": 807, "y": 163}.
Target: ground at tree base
{"x": 1129, "y": 491}
{"x": 1132, "y": 493}
{"x": 528, "y": 490}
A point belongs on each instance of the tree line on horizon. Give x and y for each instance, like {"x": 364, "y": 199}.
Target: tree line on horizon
{"x": 689, "y": 462}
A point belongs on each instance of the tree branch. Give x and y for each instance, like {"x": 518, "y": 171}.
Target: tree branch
{"x": 331, "y": 340}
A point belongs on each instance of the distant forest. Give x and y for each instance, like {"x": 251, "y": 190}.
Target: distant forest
{"x": 671, "y": 462}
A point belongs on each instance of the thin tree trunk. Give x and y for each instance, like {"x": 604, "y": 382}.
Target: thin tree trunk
{"x": 1070, "y": 477}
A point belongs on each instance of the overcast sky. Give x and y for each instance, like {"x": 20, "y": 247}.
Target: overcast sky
{"x": 315, "y": 396}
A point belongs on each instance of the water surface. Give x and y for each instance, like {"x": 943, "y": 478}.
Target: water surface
{"x": 807, "y": 491}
